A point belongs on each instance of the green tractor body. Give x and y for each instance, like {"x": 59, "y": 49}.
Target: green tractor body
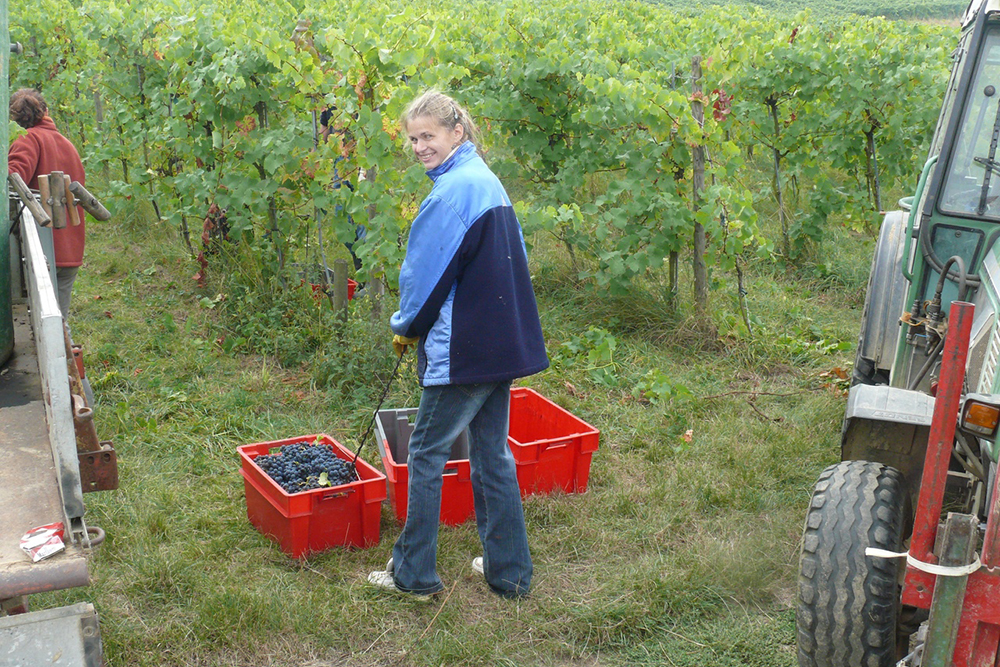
{"x": 857, "y": 604}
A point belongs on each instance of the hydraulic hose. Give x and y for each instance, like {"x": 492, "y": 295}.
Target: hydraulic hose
{"x": 934, "y": 311}
{"x": 963, "y": 278}
{"x": 918, "y": 378}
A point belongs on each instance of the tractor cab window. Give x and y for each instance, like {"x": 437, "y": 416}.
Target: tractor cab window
{"x": 972, "y": 183}
{"x": 958, "y": 57}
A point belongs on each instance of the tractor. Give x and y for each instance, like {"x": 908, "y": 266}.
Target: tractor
{"x": 900, "y": 554}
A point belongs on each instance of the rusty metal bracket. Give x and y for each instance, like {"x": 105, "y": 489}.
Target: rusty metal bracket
{"x": 99, "y": 469}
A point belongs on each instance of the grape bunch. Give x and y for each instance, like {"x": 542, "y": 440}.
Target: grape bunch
{"x": 301, "y": 467}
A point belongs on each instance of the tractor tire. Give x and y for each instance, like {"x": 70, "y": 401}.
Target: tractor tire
{"x": 848, "y": 604}
{"x": 865, "y": 372}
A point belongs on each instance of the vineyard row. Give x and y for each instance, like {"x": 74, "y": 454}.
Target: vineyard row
{"x": 590, "y": 109}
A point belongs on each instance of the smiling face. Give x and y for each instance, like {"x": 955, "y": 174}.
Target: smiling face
{"x": 432, "y": 142}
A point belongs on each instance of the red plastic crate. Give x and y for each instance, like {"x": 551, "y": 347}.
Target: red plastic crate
{"x": 394, "y": 429}
{"x": 315, "y": 520}
{"x": 551, "y": 447}
{"x": 319, "y": 290}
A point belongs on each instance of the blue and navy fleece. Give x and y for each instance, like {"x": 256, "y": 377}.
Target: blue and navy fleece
{"x": 464, "y": 287}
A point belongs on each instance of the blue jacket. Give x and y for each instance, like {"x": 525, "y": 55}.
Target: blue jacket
{"x": 464, "y": 287}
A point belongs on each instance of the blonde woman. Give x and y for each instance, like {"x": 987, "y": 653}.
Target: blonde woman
{"x": 466, "y": 303}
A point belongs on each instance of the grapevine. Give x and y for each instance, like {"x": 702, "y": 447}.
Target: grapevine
{"x": 208, "y": 106}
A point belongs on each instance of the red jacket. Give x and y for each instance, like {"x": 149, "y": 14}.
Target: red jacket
{"x": 41, "y": 151}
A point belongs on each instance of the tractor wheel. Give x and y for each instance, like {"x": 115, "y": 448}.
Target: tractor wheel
{"x": 865, "y": 372}
{"x": 848, "y": 606}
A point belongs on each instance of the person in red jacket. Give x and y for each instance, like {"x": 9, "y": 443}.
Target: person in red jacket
{"x": 40, "y": 152}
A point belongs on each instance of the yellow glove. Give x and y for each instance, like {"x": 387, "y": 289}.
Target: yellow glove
{"x": 401, "y": 343}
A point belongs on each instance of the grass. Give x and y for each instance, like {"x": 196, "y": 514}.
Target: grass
{"x": 682, "y": 552}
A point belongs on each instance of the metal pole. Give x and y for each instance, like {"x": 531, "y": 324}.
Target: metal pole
{"x": 942, "y": 432}
{"x": 958, "y": 548}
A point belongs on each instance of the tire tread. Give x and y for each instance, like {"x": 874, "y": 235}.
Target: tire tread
{"x": 846, "y": 611}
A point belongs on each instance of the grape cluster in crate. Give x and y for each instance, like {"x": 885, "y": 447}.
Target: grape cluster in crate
{"x": 303, "y": 466}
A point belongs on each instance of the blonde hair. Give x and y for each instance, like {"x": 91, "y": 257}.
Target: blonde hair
{"x": 444, "y": 110}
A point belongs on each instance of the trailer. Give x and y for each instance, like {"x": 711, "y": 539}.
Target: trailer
{"x": 50, "y": 454}
{"x": 50, "y": 457}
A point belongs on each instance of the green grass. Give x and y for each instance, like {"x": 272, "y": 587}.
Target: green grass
{"x": 680, "y": 553}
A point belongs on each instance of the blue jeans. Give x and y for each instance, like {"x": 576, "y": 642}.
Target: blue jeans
{"x": 444, "y": 413}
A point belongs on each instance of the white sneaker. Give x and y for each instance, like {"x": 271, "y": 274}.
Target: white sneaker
{"x": 477, "y": 565}
{"x": 384, "y": 579}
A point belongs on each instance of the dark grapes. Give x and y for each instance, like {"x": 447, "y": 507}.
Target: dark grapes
{"x": 303, "y": 466}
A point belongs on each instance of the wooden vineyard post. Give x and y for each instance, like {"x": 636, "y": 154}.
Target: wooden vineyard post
{"x": 772, "y": 104}
{"x": 340, "y": 289}
{"x": 698, "y": 182}
{"x": 72, "y": 213}
{"x": 375, "y": 292}
{"x": 42, "y": 217}
{"x": 874, "y": 187}
{"x": 99, "y": 118}
{"x": 88, "y": 201}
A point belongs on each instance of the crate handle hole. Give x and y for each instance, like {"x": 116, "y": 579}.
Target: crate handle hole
{"x": 336, "y": 494}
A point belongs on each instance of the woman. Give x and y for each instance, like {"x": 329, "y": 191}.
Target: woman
{"x": 467, "y": 304}
{"x": 41, "y": 151}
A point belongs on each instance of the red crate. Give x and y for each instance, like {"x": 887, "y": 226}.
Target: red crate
{"x": 315, "y": 520}
{"x": 551, "y": 447}
{"x": 319, "y": 291}
{"x": 394, "y": 429}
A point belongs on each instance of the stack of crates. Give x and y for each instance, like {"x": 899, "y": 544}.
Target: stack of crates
{"x": 551, "y": 447}
{"x": 394, "y": 430}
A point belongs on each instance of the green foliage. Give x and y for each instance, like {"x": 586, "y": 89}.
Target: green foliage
{"x": 812, "y": 114}
{"x": 802, "y": 337}
{"x": 594, "y": 352}
{"x": 591, "y": 106}
{"x": 657, "y": 387}
{"x": 890, "y": 9}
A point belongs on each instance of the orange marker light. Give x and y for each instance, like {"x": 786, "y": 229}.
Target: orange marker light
{"x": 981, "y": 418}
